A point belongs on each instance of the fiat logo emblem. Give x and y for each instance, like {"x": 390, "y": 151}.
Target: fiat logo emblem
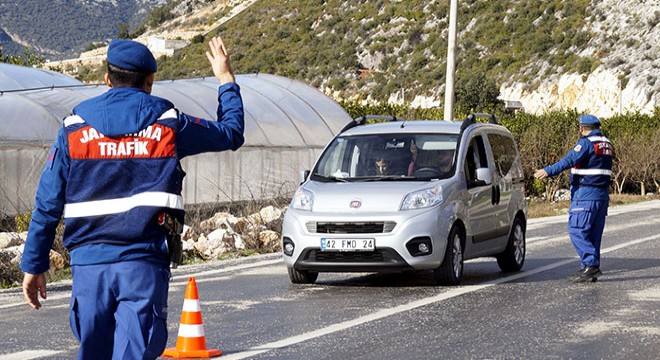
{"x": 356, "y": 204}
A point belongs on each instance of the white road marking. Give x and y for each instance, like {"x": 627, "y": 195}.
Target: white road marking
{"x": 28, "y": 354}
{"x": 223, "y": 270}
{"x": 44, "y": 302}
{"x": 608, "y": 229}
{"x": 537, "y": 223}
{"x": 454, "y": 292}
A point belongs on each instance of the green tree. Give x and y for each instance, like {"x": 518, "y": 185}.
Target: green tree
{"x": 124, "y": 31}
{"x": 28, "y": 58}
{"x": 474, "y": 91}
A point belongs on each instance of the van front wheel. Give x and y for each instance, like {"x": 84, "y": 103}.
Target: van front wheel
{"x": 302, "y": 276}
{"x": 451, "y": 269}
{"x": 513, "y": 257}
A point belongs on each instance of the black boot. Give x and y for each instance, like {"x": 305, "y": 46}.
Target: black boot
{"x": 588, "y": 274}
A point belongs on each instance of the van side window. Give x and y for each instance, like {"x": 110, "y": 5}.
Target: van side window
{"x": 475, "y": 158}
{"x": 504, "y": 152}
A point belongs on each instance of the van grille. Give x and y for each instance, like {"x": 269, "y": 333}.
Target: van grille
{"x": 350, "y": 227}
{"x": 377, "y": 256}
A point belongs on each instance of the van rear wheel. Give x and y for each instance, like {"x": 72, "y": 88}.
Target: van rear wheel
{"x": 302, "y": 276}
{"x": 451, "y": 269}
{"x": 513, "y": 257}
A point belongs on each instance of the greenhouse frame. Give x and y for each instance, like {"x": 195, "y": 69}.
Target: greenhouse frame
{"x": 287, "y": 125}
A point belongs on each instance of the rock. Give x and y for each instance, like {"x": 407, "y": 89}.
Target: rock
{"x": 216, "y": 236}
{"x": 241, "y": 225}
{"x": 57, "y": 261}
{"x": 8, "y": 239}
{"x": 187, "y": 245}
{"x": 10, "y": 274}
{"x": 18, "y": 253}
{"x": 202, "y": 247}
{"x": 562, "y": 195}
{"x": 218, "y": 243}
{"x": 188, "y": 233}
{"x": 237, "y": 241}
{"x": 265, "y": 215}
{"x": 269, "y": 240}
{"x": 220, "y": 220}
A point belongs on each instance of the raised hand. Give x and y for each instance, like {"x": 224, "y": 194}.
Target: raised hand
{"x": 219, "y": 59}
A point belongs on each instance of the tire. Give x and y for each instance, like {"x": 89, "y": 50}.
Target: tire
{"x": 302, "y": 276}
{"x": 451, "y": 269}
{"x": 513, "y": 257}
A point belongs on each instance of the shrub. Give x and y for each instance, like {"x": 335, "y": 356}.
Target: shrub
{"x": 545, "y": 139}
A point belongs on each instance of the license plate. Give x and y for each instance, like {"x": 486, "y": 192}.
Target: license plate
{"x": 348, "y": 244}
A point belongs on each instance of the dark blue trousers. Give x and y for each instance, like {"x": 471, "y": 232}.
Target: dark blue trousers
{"x": 119, "y": 311}
{"x": 586, "y": 221}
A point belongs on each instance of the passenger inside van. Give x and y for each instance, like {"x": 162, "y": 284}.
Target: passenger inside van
{"x": 439, "y": 160}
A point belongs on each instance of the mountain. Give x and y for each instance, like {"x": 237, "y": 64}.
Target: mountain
{"x": 599, "y": 55}
{"x": 58, "y": 29}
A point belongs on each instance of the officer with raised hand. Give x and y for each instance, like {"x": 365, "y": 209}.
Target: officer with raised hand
{"x": 590, "y": 162}
{"x": 112, "y": 173}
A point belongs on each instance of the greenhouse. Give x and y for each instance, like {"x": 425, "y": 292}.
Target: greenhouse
{"x": 287, "y": 125}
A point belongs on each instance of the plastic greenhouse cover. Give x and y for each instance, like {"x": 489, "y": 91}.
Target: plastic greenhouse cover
{"x": 15, "y": 77}
{"x": 280, "y": 112}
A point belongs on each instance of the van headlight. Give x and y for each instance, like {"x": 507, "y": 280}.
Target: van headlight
{"x": 302, "y": 200}
{"x": 423, "y": 198}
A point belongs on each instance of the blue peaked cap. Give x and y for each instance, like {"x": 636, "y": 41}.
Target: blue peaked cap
{"x": 131, "y": 55}
{"x": 588, "y": 119}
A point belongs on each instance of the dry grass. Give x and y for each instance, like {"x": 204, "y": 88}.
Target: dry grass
{"x": 539, "y": 208}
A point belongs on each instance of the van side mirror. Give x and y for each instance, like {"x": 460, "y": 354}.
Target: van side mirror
{"x": 484, "y": 177}
{"x": 304, "y": 174}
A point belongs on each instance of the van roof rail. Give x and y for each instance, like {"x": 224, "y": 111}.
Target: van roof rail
{"x": 361, "y": 120}
{"x": 472, "y": 119}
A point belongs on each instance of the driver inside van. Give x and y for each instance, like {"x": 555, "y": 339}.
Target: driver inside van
{"x": 445, "y": 161}
{"x": 381, "y": 166}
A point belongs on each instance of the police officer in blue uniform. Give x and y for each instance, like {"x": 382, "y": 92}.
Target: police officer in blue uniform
{"x": 112, "y": 174}
{"x": 590, "y": 162}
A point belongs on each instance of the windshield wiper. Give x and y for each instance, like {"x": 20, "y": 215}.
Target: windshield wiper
{"x": 391, "y": 178}
{"x": 330, "y": 178}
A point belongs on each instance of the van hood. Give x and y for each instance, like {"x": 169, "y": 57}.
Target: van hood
{"x": 373, "y": 196}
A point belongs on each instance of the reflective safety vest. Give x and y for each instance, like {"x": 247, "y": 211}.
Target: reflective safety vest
{"x": 118, "y": 185}
{"x": 596, "y": 170}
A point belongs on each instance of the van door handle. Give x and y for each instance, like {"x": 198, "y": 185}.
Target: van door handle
{"x": 495, "y": 195}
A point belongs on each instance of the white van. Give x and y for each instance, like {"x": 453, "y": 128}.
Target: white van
{"x": 400, "y": 195}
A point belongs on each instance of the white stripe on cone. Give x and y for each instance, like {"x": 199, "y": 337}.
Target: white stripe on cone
{"x": 191, "y": 305}
{"x": 191, "y": 331}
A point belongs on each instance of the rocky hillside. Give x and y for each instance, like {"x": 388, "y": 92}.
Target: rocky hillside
{"x": 626, "y": 41}
{"x": 60, "y": 29}
{"x": 599, "y": 56}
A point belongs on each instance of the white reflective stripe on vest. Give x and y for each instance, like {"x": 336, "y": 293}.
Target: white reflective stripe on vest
{"x": 598, "y": 138}
{"x": 191, "y": 305}
{"x": 115, "y": 206}
{"x": 73, "y": 119}
{"x": 191, "y": 331}
{"x": 169, "y": 114}
{"x": 591, "y": 172}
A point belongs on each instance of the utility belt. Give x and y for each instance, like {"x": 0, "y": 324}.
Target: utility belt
{"x": 174, "y": 245}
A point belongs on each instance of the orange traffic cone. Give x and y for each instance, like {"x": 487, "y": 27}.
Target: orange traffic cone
{"x": 191, "y": 342}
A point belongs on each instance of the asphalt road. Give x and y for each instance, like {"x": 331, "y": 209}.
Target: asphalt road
{"x": 251, "y": 310}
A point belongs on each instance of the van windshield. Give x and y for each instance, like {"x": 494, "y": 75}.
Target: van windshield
{"x": 378, "y": 157}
